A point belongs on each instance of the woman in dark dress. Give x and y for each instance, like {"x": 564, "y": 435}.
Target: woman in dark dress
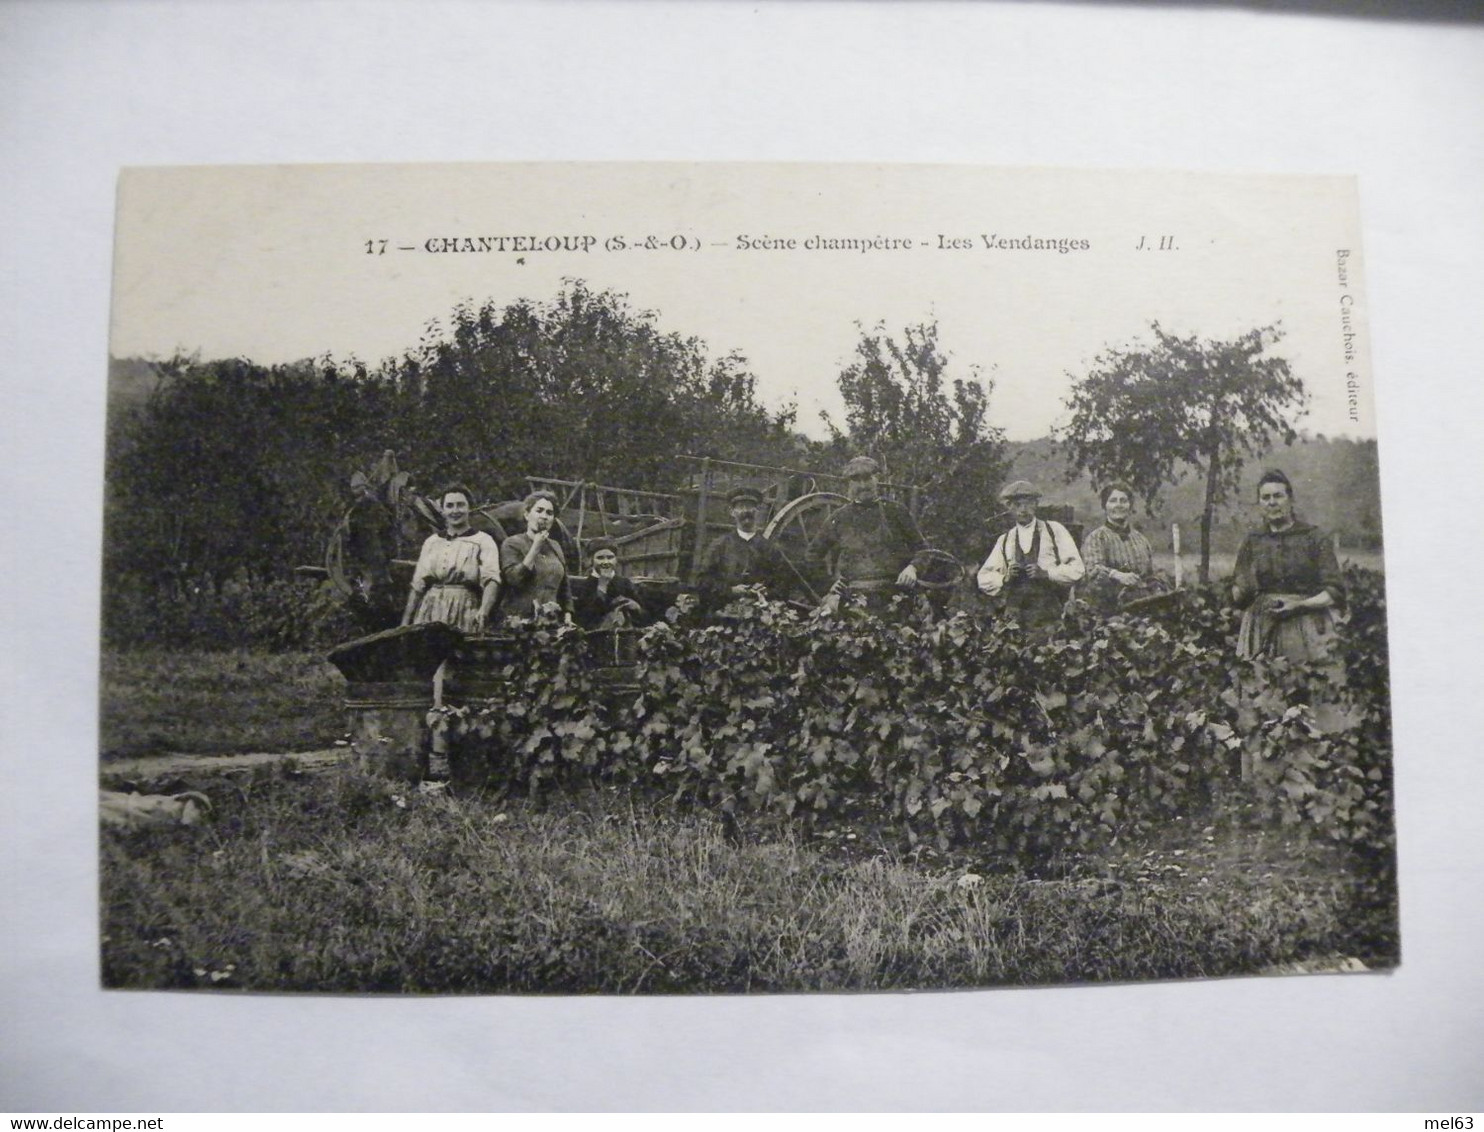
{"x": 1287, "y": 580}
{"x": 605, "y": 599}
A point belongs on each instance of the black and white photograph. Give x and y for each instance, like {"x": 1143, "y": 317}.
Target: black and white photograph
{"x": 897, "y": 713}
{"x": 655, "y": 579}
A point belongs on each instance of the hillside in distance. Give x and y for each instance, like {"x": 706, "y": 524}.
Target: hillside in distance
{"x": 1336, "y": 484}
{"x": 1336, "y": 480}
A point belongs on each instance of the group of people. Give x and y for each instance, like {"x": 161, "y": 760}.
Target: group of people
{"x": 1287, "y": 580}
{"x": 462, "y": 577}
{"x": 874, "y": 547}
{"x": 1287, "y": 577}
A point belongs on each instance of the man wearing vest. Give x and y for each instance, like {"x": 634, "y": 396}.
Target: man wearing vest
{"x": 1033, "y": 566}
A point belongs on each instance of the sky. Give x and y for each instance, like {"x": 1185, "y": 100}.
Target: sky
{"x": 1030, "y": 274}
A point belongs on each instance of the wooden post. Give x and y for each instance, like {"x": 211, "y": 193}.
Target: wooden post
{"x": 700, "y": 548}
{"x": 1175, "y": 542}
{"x": 581, "y": 519}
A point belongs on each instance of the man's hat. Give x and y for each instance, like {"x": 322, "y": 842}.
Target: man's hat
{"x": 1020, "y": 489}
{"x": 860, "y": 466}
{"x": 744, "y": 495}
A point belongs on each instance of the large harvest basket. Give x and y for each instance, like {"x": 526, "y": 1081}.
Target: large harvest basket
{"x": 389, "y": 689}
{"x": 614, "y": 657}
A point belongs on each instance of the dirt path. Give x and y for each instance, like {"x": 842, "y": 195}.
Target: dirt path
{"x": 166, "y": 766}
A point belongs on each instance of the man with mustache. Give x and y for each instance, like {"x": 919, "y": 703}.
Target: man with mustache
{"x": 742, "y": 557}
{"x": 869, "y": 545}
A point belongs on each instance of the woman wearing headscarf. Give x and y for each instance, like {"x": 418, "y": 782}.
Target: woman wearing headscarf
{"x": 1119, "y": 559}
{"x": 1287, "y": 580}
{"x": 533, "y": 568}
{"x": 605, "y": 599}
{"x": 458, "y": 571}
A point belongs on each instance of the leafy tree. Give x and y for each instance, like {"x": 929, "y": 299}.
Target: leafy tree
{"x": 232, "y": 468}
{"x": 925, "y": 428}
{"x": 1146, "y": 413}
{"x": 581, "y": 387}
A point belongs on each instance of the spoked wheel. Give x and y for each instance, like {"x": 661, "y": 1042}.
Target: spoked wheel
{"x": 796, "y": 526}
{"x": 937, "y": 570}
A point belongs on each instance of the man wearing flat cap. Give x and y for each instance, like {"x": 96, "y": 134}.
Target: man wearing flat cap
{"x": 742, "y": 557}
{"x": 868, "y": 546}
{"x": 1033, "y": 565}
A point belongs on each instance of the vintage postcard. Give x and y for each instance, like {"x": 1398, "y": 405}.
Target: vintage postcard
{"x": 639, "y": 579}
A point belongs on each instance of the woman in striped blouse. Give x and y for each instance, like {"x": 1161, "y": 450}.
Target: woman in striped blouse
{"x": 1119, "y": 560}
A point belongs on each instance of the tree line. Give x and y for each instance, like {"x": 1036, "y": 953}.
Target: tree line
{"x": 227, "y": 469}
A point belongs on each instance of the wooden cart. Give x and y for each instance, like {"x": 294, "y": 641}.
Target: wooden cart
{"x": 661, "y": 537}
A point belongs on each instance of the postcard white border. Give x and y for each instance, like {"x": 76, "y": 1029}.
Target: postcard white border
{"x": 90, "y": 88}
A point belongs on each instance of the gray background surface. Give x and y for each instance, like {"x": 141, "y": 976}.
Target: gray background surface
{"x": 87, "y": 88}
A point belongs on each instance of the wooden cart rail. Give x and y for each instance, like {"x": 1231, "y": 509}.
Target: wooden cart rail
{"x": 661, "y": 537}
{"x": 781, "y": 488}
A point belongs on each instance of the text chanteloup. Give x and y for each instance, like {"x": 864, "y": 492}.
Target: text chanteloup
{"x": 456, "y": 244}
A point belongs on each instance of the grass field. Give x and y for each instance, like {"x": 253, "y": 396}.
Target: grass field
{"x": 155, "y": 701}
{"x": 333, "y": 881}
{"x": 337, "y": 882}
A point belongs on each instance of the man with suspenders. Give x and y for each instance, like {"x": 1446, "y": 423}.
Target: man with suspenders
{"x": 1033, "y": 566}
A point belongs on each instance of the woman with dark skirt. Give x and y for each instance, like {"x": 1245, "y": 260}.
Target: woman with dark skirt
{"x": 1287, "y": 581}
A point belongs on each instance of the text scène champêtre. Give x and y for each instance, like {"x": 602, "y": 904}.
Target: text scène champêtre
{"x": 984, "y": 241}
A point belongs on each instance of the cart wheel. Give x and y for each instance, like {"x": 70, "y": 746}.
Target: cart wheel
{"x": 335, "y": 560}
{"x": 797, "y": 524}
{"x": 937, "y": 570}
